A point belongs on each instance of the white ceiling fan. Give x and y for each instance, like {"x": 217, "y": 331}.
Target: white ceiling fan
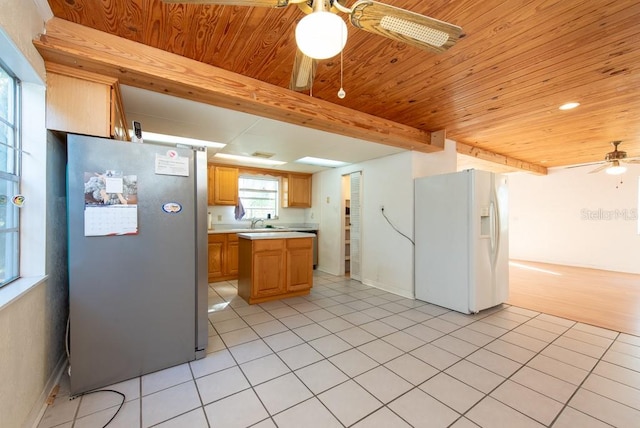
{"x": 613, "y": 161}
{"x": 322, "y": 33}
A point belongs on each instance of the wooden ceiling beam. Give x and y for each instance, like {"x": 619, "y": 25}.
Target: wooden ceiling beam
{"x": 466, "y": 149}
{"x": 141, "y": 66}
{"x": 145, "y": 67}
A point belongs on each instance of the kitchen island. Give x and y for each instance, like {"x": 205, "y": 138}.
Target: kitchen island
{"x": 274, "y": 265}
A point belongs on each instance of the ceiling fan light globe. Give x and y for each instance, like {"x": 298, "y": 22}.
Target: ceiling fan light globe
{"x": 616, "y": 170}
{"x": 321, "y": 35}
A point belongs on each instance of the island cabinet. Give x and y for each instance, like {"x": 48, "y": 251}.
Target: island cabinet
{"x": 86, "y": 103}
{"x": 274, "y": 265}
{"x": 223, "y": 257}
{"x": 222, "y": 185}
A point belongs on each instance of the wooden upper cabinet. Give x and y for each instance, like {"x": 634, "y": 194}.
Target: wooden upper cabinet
{"x": 210, "y": 186}
{"x": 296, "y": 191}
{"x": 84, "y": 103}
{"x": 223, "y": 185}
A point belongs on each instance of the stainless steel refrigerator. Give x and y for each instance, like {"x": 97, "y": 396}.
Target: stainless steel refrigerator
{"x": 461, "y": 240}
{"x": 137, "y": 230}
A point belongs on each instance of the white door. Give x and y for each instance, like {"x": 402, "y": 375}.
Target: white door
{"x": 355, "y": 217}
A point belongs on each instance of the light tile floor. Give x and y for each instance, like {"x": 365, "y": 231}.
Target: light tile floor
{"x": 348, "y": 355}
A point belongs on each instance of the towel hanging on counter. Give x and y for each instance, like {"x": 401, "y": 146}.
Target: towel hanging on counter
{"x": 239, "y": 211}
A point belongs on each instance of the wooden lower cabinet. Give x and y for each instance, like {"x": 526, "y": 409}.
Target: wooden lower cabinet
{"x": 232, "y": 256}
{"x": 299, "y": 276}
{"x": 216, "y": 249}
{"x": 271, "y": 269}
{"x": 268, "y": 268}
{"x": 223, "y": 256}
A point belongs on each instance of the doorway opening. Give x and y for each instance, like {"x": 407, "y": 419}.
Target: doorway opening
{"x": 351, "y": 219}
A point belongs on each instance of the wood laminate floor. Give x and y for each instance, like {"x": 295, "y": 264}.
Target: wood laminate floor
{"x": 597, "y": 297}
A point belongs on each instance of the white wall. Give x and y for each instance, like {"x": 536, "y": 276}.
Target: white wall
{"x": 387, "y": 256}
{"x": 21, "y": 22}
{"x": 286, "y": 215}
{"x": 575, "y": 218}
{"x": 32, "y": 309}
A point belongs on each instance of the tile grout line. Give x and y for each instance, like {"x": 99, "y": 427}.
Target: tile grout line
{"x": 341, "y": 287}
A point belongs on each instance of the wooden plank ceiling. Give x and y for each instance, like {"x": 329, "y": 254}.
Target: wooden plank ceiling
{"x": 497, "y": 90}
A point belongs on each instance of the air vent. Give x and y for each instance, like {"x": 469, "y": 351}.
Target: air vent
{"x": 262, "y": 155}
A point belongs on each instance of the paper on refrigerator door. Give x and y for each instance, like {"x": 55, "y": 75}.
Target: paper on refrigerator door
{"x": 172, "y": 164}
{"x": 110, "y": 203}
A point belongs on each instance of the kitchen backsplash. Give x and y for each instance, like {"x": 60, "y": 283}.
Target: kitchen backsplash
{"x": 224, "y": 215}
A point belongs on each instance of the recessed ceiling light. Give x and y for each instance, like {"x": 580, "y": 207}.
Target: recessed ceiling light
{"x": 321, "y": 162}
{"x": 173, "y": 139}
{"x": 569, "y": 106}
{"x": 249, "y": 159}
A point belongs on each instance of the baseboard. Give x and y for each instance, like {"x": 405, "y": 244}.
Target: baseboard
{"x": 36, "y": 414}
{"x": 389, "y": 289}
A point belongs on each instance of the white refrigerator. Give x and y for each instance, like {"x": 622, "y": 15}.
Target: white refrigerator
{"x": 461, "y": 240}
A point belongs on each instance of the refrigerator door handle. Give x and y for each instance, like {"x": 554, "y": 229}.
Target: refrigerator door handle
{"x": 494, "y": 222}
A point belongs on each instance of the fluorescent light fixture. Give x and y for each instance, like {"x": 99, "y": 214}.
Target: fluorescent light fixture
{"x": 321, "y": 162}
{"x": 172, "y": 139}
{"x": 249, "y": 159}
{"x": 568, "y": 106}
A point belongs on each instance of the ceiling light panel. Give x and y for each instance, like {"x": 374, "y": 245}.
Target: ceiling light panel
{"x": 248, "y": 159}
{"x": 173, "y": 139}
{"x": 321, "y": 162}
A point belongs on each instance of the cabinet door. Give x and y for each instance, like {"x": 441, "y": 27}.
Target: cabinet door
{"x": 78, "y": 105}
{"x": 225, "y": 186}
{"x": 268, "y": 268}
{"x": 232, "y": 254}
{"x": 299, "y": 264}
{"x": 297, "y": 191}
{"x": 216, "y": 256}
{"x": 210, "y": 184}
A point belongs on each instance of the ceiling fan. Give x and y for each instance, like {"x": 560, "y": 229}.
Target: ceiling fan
{"x": 322, "y": 33}
{"x": 613, "y": 161}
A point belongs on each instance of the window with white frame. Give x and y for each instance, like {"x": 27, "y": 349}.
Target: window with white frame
{"x": 9, "y": 175}
{"x": 259, "y": 196}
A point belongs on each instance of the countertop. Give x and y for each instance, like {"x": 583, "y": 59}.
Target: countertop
{"x": 275, "y": 235}
{"x": 275, "y": 229}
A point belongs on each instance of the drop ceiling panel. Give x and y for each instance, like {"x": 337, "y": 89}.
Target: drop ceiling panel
{"x": 244, "y": 133}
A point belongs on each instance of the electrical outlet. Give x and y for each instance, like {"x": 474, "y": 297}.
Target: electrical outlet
{"x": 219, "y": 217}
{"x": 381, "y": 207}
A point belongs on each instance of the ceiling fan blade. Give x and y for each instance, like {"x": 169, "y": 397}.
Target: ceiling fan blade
{"x": 580, "y": 165}
{"x": 631, "y": 160}
{"x": 600, "y": 168}
{"x": 304, "y": 71}
{"x": 256, "y": 3}
{"x": 404, "y": 26}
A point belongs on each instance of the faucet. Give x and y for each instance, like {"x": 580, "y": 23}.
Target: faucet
{"x": 255, "y": 221}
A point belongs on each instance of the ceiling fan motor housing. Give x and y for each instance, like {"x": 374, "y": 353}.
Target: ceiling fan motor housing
{"x": 615, "y": 154}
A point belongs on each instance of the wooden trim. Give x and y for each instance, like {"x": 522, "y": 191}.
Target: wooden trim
{"x": 466, "y": 149}
{"x": 52, "y": 67}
